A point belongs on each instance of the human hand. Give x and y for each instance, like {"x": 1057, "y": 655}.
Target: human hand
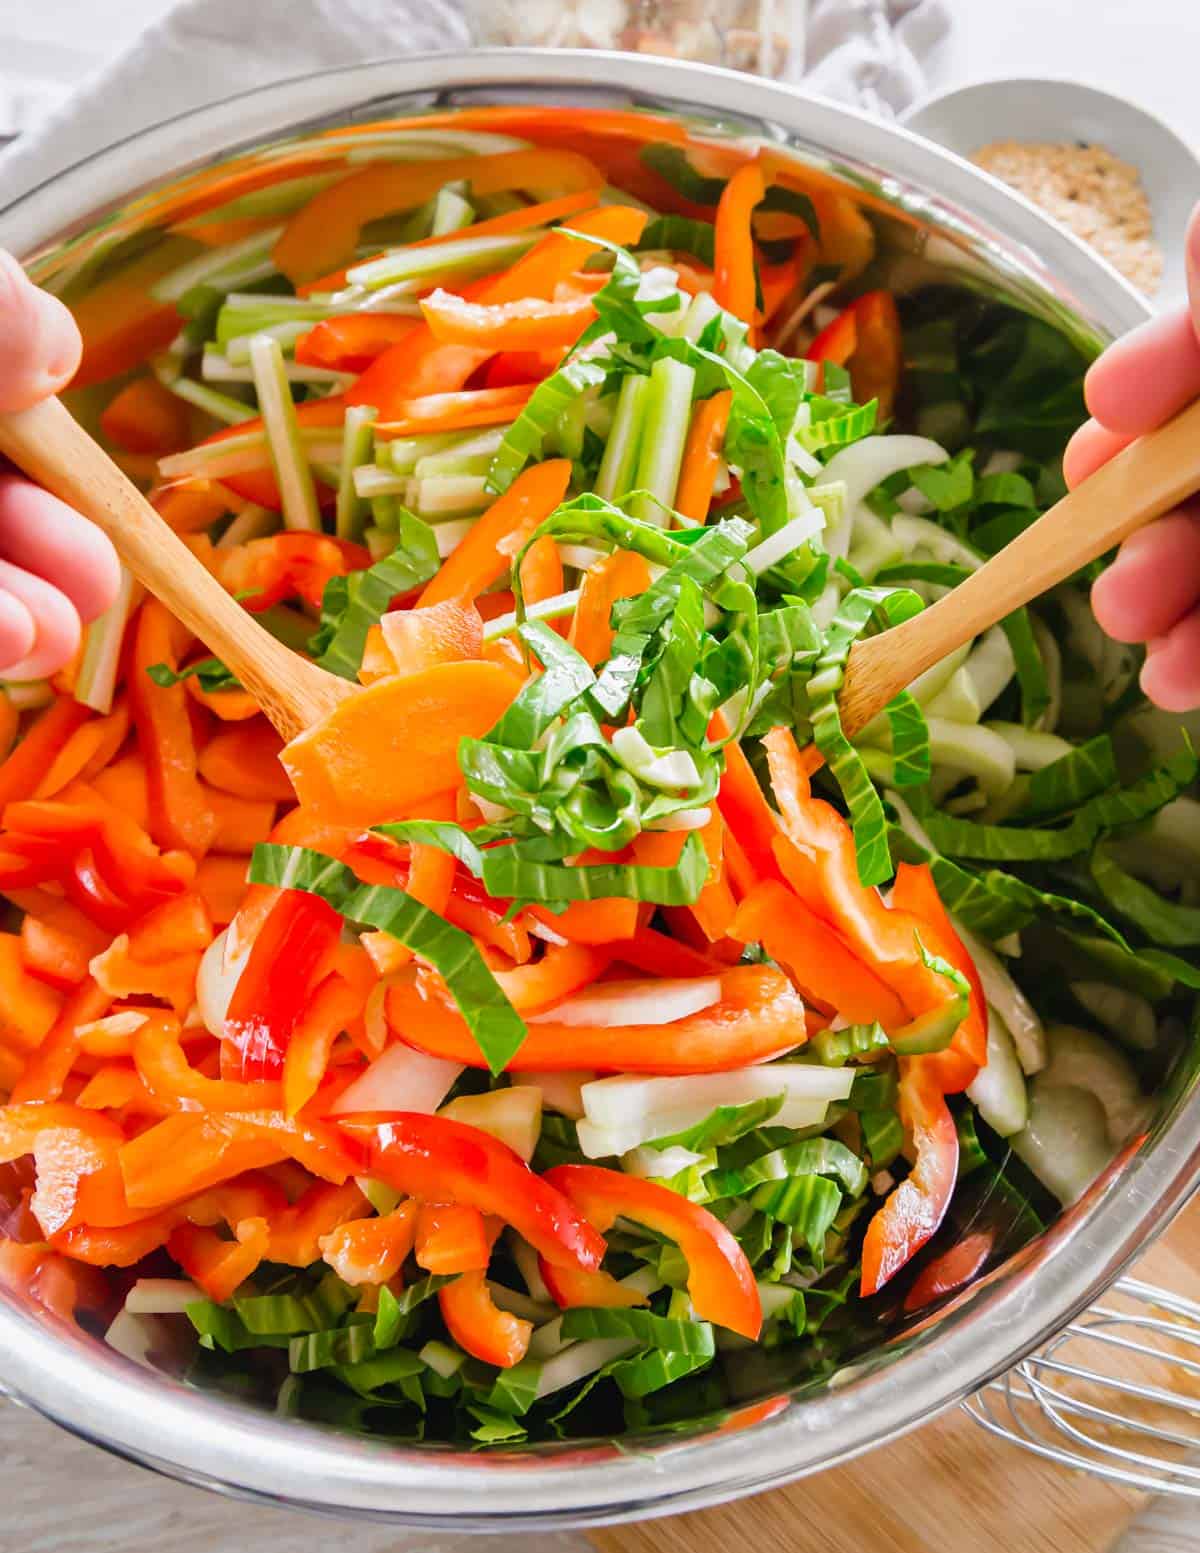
{"x": 1151, "y": 592}
{"x": 57, "y": 570}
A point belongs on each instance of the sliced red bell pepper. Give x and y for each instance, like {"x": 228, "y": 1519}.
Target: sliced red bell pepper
{"x": 68, "y": 1143}
{"x": 478, "y": 1325}
{"x": 866, "y": 338}
{"x": 571, "y": 1286}
{"x": 837, "y": 342}
{"x": 297, "y": 1232}
{"x": 953, "y": 1269}
{"x": 720, "y": 1280}
{"x": 351, "y": 341}
{"x": 911, "y": 1215}
{"x": 759, "y": 1016}
{"x": 436, "y": 1159}
{"x": 292, "y": 952}
{"x": 220, "y": 1266}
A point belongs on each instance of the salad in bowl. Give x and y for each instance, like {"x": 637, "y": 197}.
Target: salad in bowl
{"x": 622, "y": 1041}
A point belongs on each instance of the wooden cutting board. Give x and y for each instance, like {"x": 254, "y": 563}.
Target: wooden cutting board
{"x": 947, "y": 1488}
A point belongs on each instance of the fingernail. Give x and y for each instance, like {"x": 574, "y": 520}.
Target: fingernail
{"x": 58, "y": 345}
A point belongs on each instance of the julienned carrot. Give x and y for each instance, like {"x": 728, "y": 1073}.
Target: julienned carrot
{"x": 479, "y": 561}
{"x": 621, "y": 575}
{"x": 545, "y": 213}
{"x": 734, "y": 286}
{"x": 323, "y": 232}
{"x": 541, "y": 571}
{"x": 528, "y": 324}
{"x": 243, "y": 759}
{"x": 454, "y": 411}
{"x": 25, "y": 767}
{"x": 179, "y": 816}
{"x": 89, "y": 749}
{"x": 702, "y": 457}
{"x": 146, "y": 417}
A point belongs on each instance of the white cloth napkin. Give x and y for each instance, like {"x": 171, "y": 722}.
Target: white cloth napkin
{"x": 869, "y": 52}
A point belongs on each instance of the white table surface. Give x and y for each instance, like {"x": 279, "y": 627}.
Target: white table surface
{"x": 60, "y": 1496}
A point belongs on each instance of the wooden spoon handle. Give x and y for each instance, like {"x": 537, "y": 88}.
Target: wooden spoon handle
{"x": 50, "y": 446}
{"x": 1150, "y": 477}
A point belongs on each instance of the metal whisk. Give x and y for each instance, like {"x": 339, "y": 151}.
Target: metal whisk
{"x": 1076, "y": 1401}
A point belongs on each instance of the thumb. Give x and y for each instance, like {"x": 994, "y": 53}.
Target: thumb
{"x": 39, "y": 343}
{"x": 1192, "y": 258}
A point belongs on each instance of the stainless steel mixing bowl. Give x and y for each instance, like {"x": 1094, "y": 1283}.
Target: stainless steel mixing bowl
{"x": 944, "y": 217}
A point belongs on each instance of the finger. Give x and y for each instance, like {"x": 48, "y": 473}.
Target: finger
{"x": 17, "y": 630}
{"x": 1171, "y": 672}
{"x": 1144, "y": 378}
{"x": 1089, "y": 447}
{"x": 56, "y": 624}
{"x": 1154, "y": 581}
{"x": 39, "y": 343}
{"x": 43, "y": 535}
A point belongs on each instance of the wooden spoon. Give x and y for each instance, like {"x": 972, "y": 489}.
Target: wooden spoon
{"x": 1150, "y": 477}
{"x": 50, "y": 445}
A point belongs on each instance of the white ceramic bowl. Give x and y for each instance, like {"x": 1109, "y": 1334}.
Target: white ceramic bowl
{"x": 967, "y": 117}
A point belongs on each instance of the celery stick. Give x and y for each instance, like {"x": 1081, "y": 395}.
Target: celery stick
{"x": 237, "y": 350}
{"x": 448, "y": 495}
{"x": 468, "y": 254}
{"x": 379, "y": 543}
{"x": 546, "y": 609}
{"x": 244, "y": 451}
{"x": 369, "y": 481}
{"x": 296, "y": 488}
{"x": 217, "y": 368}
{"x": 221, "y": 268}
{"x": 450, "y": 213}
{"x": 615, "y": 476}
{"x": 471, "y": 455}
{"x": 253, "y": 522}
{"x": 97, "y": 677}
{"x": 450, "y": 535}
{"x": 403, "y": 454}
{"x": 358, "y": 437}
{"x": 222, "y": 407}
{"x": 668, "y": 406}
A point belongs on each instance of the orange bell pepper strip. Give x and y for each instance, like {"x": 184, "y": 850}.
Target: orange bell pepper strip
{"x": 571, "y": 1286}
{"x": 435, "y": 412}
{"x": 914, "y": 1210}
{"x": 178, "y": 814}
{"x": 559, "y": 255}
{"x": 545, "y": 213}
{"x": 120, "y": 322}
{"x": 479, "y": 1326}
{"x": 117, "y": 1086}
{"x": 122, "y": 785}
{"x": 170, "y": 1079}
{"x": 122, "y": 1246}
{"x": 190, "y": 508}
{"x": 89, "y": 749}
{"x": 622, "y": 575}
{"x": 562, "y": 970}
{"x": 335, "y": 1004}
{"x": 371, "y": 1251}
{"x": 187, "y": 1153}
{"x": 734, "y": 284}
{"x": 67, "y": 1144}
{"x": 759, "y": 1016}
{"x": 749, "y": 819}
{"x": 451, "y": 1239}
{"x": 244, "y": 760}
{"x": 419, "y": 367}
{"x": 720, "y": 1281}
{"x": 146, "y": 417}
{"x": 324, "y": 232}
{"x": 57, "y": 945}
{"x": 714, "y": 910}
{"x": 219, "y": 1266}
{"x": 526, "y": 324}
{"x": 48, "y": 1067}
{"x": 813, "y": 955}
{"x": 866, "y": 338}
{"x": 221, "y": 885}
{"x": 298, "y": 1232}
{"x": 914, "y": 891}
{"x": 447, "y": 632}
{"x": 350, "y": 342}
{"x": 541, "y": 571}
{"x": 292, "y": 952}
{"x": 395, "y": 743}
{"x": 24, "y": 768}
{"x": 28, "y": 1007}
{"x": 702, "y": 457}
{"x": 435, "y": 1159}
{"x": 50, "y": 1280}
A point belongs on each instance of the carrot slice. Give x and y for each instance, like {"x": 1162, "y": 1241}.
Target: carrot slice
{"x": 395, "y": 743}
{"x": 734, "y": 285}
{"x": 449, "y": 632}
{"x": 24, "y": 769}
{"x": 243, "y": 759}
{"x": 90, "y": 748}
{"x": 622, "y": 575}
{"x": 541, "y": 571}
{"x": 479, "y": 561}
